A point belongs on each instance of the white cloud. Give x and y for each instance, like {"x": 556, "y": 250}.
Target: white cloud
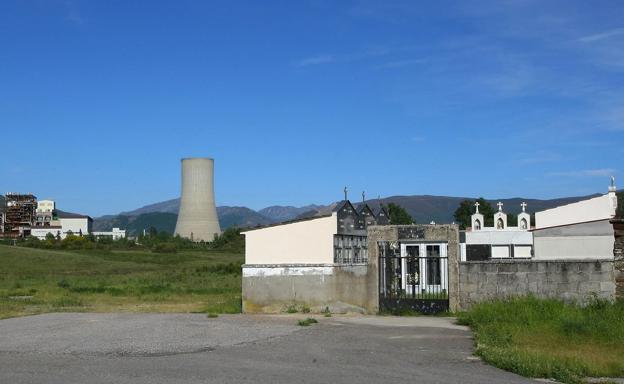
{"x": 601, "y": 36}
{"x": 602, "y": 172}
{"x": 539, "y": 157}
{"x": 401, "y": 63}
{"x": 316, "y": 60}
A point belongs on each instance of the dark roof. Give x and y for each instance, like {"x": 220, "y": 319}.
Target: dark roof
{"x": 70, "y": 215}
{"x": 287, "y": 222}
{"x": 381, "y": 208}
{"x": 363, "y": 206}
{"x": 341, "y": 204}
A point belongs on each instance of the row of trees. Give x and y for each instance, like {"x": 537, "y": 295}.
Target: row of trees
{"x": 230, "y": 240}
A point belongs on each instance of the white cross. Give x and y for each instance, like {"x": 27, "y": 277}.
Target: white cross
{"x": 500, "y": 206}
{"x": 523, "y": 205}
{"x": 477, "y": 205}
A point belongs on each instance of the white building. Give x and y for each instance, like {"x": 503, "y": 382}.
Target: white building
{"x": 67, "y": 223}
{"x": 46, "y": 214}
{"x": 577, "y": 231}
{"x": 318, "y": 261}
{"x": 115, "y": 234}
{"x": 497, "y": 242}
{"x": 338, "y": 237}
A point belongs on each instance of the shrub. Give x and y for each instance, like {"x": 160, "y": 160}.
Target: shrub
{"x": 165, "y": 248}
{"x": 307, "y": 322}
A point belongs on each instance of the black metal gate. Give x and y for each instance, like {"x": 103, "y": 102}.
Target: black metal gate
{"x": 413, "y": 277}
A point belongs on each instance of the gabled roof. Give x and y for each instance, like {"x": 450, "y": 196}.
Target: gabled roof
{"x": 70, "y": 215}
{"x": 364, "y": 207}
{"x": 342, "y": 204}
{"x": 382, "y": 209}
{"x": 287, "y": 222}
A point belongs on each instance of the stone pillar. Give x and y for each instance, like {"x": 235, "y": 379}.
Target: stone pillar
{"x": 618, "y": 256}
{"x": 453, "y": 267}
{"x": 376, "y": 233}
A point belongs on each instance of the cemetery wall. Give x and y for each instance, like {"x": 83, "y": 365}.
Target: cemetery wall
{"x": 569, "y": 280}
{"x": 618, "y": 255}
{"x": 277, "y": 288}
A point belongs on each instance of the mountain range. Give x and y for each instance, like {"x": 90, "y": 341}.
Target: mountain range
{"x": 423, "y": 208}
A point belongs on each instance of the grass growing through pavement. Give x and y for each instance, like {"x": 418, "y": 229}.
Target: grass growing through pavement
{"x": 307, "y": 322}
{"x": 36, "y": 281}
{"x": 547, "y": 338}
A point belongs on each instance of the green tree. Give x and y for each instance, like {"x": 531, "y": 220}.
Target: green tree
{"x": 398, "y": 215}
{"x": 466, "y": 209}
{"x": 620, "y": 204}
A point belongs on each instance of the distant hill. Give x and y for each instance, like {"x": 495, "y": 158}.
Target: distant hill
{"x": 242, "y": 217}
{"x": 279, "y": 213}
{"x": 426, "y": 208}
{"x": 166, "y": 221}
{"x": 423, "y": 208}
{"x": 135, "y": 225}
{"x": 168, "y": 206}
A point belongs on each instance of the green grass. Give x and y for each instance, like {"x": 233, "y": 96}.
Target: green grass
{"x": 36, "y": 281}
{"x": 549, "y": 339}
{"x": 307, "y": 322}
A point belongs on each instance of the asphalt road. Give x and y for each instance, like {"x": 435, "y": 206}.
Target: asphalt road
{"x": 191, "y": 348}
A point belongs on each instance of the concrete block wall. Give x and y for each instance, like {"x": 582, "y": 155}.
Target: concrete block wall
{"x": 618, "y": 255}
{"x": 569, "y": 280}
{"x": 274, "y": 288}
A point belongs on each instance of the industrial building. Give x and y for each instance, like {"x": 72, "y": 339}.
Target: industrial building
{"x": 19, "y": 214}
{"x": 115, "y": 234}
{"x": 197, "y": 217}
{"x": 22, "y": 216}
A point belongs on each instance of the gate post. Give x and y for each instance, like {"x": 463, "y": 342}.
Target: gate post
{"x": 375, "y": 234}
{"x": 618, "y": 255}
{"x": 453, "y": 267}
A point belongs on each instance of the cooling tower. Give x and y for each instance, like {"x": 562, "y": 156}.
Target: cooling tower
{"x": 197, "y": 219}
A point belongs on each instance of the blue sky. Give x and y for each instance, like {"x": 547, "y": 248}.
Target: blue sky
{"x": 99, "y": 100}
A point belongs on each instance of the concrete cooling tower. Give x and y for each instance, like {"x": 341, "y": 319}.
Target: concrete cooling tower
{"x": 197, "y": 219}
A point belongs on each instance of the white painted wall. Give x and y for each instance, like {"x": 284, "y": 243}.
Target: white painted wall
{"x": 116, "y": 233}
{"x": 303, "y": 242}
{"x": 75, "y": 225}
{"x": 499, "y": 237}
{"x": 598, "y": 208}
{"x": 522, "y": 251}
{"x": 42, "y": 232}
{"x": 500, "y": 252}
{"x": 46, "y": 205}
{"x": 574, "y": 247}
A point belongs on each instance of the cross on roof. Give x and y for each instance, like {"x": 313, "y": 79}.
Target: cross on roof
{"x": 523, "y": 205}
{"x": 477, "y": 206}
{"x": 500, "y": 206}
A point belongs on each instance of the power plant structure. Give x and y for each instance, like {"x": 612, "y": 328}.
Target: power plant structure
{"x": 197, "y": 218}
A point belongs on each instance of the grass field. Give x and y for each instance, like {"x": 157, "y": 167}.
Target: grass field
{"x": 36, "y": 281}
{"x": 550, "y": 339}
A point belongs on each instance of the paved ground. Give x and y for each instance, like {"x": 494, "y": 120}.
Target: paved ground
{"x": 191, "y": 348}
